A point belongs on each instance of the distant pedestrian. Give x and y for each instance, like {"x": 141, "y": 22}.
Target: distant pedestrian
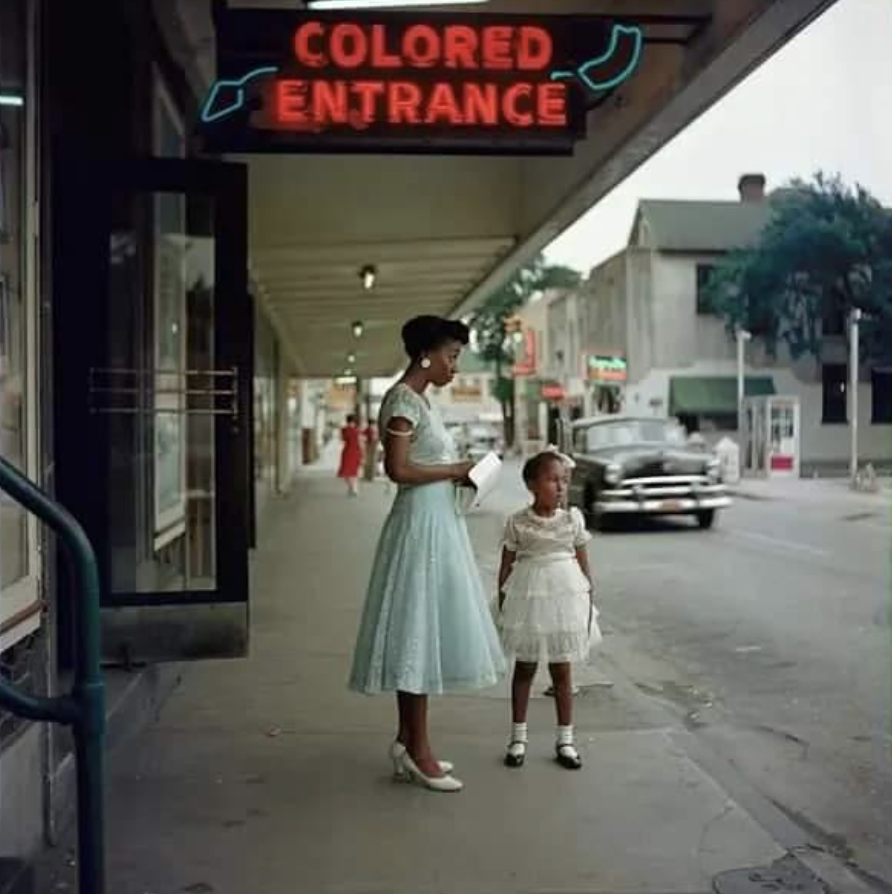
{"x": 370, "y": 436}
{"x": 546, "y": 601}
{"x": 351, "y": 456}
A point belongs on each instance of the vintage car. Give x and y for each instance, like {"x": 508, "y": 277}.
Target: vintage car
{"x": 638, "y": 466}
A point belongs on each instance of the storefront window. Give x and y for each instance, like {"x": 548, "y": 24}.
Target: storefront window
{"x": 13, "y": 442}
{"x": 170, "y": 251}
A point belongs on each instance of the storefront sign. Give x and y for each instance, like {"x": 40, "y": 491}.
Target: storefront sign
{"x": 466, "y": 391}
{"x": 526, "y": 355}
{"x": 553, "y": 392}
{"x": 316, "y": 82}
{"x": 603, "y": 368}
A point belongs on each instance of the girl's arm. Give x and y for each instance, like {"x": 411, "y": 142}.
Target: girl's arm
{"x": 508, "y": 557}
{"x": 401, "y": 470}
{"x": 582, "y": 558}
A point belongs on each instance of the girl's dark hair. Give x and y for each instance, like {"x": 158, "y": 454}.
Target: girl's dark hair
{"x": 427, "y": 333}
{"x": 351, "y": 418}
{"x": 534, "y": 466}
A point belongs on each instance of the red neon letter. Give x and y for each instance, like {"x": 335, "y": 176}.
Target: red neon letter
{"x": 403, "y": 100}
{"x": 512, "y": 113}
{"x": 330, "y": 102}
{"x": 535, "y": 49}
{"x": 291, "y": 102}
{"x": 305, "y": 55}
{"x": 551, "y": 105}
{"x": 380, "y": 57}
{"x": 421, "y": 46}
{"x": 443, "y": 107}
{"x": 482, "y": 104}
{"x": 497, "y": 47}
{"x": 349, "y": 46}
{"x": 368, "y": 91}
{"x": 460, "y": 47}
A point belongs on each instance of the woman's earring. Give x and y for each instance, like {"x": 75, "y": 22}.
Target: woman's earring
{"x": 425, "y": 363}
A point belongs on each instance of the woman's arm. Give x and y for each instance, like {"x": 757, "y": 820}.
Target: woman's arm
{"x": 508, "y": 559}
{"x": 402, "y": 470}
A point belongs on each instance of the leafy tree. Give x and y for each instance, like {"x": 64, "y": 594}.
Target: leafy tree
{"x": 826, "y": 250}
{"x": 490, "y": 324}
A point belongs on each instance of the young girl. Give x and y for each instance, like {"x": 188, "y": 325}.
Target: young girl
{"x": 546, "y": 607}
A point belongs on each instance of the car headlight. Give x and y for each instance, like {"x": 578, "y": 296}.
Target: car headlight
{"x": 613, "y": 474}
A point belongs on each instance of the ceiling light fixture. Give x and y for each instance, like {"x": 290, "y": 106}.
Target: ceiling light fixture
{"x": 384, "y": 4}
{"x": 8, "y": 98}
{"x": 368, "y": 275}
{"x": 358, "y": 329}
{"x": 351, "y": 359}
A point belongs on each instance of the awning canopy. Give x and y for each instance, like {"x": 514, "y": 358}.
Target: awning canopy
{"x": 712, "y": 395}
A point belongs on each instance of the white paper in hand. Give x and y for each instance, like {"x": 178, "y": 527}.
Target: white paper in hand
{"x": 484, "y": 477}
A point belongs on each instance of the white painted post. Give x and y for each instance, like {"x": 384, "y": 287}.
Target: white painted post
{"x": 742, "y": 338}
{"x": 854, "y": 362}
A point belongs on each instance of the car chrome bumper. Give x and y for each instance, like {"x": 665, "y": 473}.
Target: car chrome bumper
{"x": 664, "y": 505}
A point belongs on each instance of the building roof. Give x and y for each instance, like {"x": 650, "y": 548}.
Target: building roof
{"x": 701, "y": 226}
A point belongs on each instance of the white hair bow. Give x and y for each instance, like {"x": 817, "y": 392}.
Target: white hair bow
{"x": 568, "y": 461}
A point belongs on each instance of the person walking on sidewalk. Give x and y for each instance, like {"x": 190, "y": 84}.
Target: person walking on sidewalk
{"x": 351, "y": 456}
{"x": 370, "y": 436}
{"x": 426, "y": 628}
{"x": 546, "y": 602}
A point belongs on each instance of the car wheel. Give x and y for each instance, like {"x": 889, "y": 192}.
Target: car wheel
{"x": 706, "y": 519}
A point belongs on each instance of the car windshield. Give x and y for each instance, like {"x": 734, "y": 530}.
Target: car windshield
{"x": 635, "y": 431}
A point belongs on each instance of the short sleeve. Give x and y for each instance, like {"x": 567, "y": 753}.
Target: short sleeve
{"x": 510, "y": 540}
{"x": 403, "y": 406}
{"x": 581, "y": 535}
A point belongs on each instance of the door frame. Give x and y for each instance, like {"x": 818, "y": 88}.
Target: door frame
{"x": 82, "y": 223}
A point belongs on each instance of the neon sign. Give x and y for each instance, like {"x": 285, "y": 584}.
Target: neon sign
{"x": 296, "y": 81}
{"x": 607, "y": 368}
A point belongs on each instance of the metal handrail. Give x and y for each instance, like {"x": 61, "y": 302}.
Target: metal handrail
{"x": 83, "y": 709}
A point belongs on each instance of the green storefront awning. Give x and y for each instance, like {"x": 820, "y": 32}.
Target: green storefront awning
{"x": 712, "y": 395}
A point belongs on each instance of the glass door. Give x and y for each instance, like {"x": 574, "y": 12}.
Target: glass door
{"x": 154, "y": 415}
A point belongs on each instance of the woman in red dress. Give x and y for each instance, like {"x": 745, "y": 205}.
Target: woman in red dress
{"x": 351, "y": 456}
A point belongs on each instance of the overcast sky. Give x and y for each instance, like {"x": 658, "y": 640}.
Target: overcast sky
{"x": 824, "y": 102}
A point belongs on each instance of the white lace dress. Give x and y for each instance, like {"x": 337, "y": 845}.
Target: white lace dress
{"x": 548, "y": 614}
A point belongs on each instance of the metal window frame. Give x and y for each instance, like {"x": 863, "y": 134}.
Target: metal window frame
{"x": 21, "y": 604}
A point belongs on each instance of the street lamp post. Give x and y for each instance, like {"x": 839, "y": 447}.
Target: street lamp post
{"x": 854, "y": 362}
{"x": 743, "y": 336}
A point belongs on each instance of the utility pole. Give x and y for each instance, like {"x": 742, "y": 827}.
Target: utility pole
{"x": 854, "y": 363}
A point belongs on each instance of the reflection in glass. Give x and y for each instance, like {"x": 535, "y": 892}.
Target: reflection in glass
{"x": 13, "y": 444}
{"x": 162, "y": 397}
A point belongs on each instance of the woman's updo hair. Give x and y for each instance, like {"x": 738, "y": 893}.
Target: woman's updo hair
{"x": 421, "y": 335}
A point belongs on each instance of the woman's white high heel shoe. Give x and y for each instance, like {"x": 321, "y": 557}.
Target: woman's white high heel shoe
{"x": 397, "y": 750}
{"x": 434, "y": 783}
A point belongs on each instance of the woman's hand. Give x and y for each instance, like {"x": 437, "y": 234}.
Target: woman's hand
{"x": 461, "y": 471}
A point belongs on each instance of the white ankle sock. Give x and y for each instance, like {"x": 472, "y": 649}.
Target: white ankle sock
{"x": 565, "y": 735}
{"x": 519, "y": 732}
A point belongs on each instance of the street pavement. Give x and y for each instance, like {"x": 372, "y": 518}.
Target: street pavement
{"x": 737, "y": 713}
{"x": 771, "y": 637}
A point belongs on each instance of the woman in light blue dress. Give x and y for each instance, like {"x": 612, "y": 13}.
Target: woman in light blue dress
{"x": 426, "y": 627}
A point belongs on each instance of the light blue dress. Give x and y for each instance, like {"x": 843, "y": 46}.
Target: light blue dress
{"x": 426, "y": 627}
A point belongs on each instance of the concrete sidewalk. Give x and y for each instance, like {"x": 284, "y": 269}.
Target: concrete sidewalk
{"x": 266, "y": 776}
{"x": 811, "y": 492}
